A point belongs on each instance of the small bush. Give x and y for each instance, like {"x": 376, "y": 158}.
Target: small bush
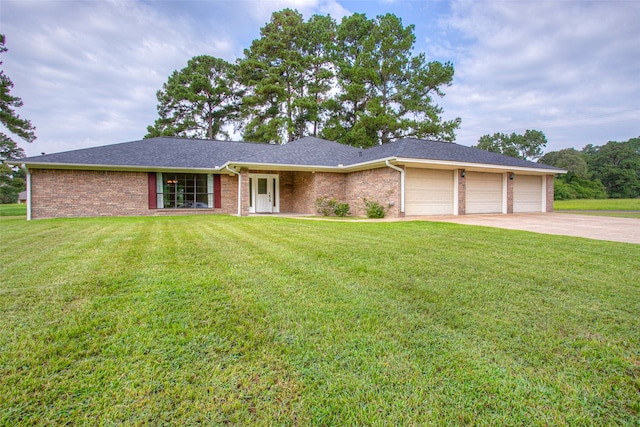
{"x": 342, "y": 209}
{"x": 374, "y": 209}
{"x": 327, "y": 207}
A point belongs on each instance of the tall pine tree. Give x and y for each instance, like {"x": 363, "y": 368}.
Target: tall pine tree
{"x": 288, "y": 73}
{"x": 11, "y": 180}
{"x": 200, "y": 101}
{"x": 384, "y": 92}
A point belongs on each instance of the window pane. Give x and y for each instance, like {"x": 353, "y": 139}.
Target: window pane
{"x": 186, "y": 190}
{"x": 262, "y": 185}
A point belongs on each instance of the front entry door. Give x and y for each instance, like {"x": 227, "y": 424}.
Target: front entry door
{"x": 264, "y": 195}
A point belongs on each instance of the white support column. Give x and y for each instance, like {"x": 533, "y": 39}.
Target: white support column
{"x": 505, "y": 201}
{"x": 456, "y": 199}
{"x": 544, "y": 193}
{"x": 28, "y": 175}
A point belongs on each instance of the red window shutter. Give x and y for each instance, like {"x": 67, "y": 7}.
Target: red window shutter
{"x": 153, "y": 197}
{"x": 217, "y": 192}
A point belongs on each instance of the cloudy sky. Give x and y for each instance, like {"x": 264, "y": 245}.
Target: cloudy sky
{"x": 88, "y": 71}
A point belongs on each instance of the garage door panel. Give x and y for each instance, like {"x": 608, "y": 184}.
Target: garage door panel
{"x": 428, "y": 192}
{"x": 483, "y": 193}
{"x": 527, "y": 193}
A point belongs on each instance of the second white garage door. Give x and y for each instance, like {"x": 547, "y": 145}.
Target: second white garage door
{"x": 484, "y": 193}
{"x": 527, "y": 193}
{"x": 428, "y": 192}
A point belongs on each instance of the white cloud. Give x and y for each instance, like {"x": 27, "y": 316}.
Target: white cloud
{"x": 88, "y": 71}
{"x": 537, "y": 64}
{"x": 93, "y": 68}
{"x": 261, "y": 11}
{"x": 333, "y": 8}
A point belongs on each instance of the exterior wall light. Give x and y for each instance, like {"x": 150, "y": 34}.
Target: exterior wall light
{"x": 463, "y": 173}
{"x": 512, "y": 175}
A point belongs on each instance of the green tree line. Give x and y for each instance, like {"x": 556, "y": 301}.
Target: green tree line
{"x": 595, "y": 172}
{"x": 357, "y": 82}
{"x": 608, "y": 171}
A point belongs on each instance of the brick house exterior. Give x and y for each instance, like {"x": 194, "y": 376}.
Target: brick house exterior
{"x": 131, "y": 179}
{"x": 549, "y": 195}
{"x": 71, "y": 193}
{"x": 462, "y": 192}
{"x": 81, "y": 193}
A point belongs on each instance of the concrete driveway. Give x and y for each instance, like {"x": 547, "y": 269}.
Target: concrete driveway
{"x": 626, "y": 230}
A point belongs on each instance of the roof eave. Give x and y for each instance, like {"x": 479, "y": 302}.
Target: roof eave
{"x": 440, "y": 164}
{"x": 287, "y": 167}
{"x": 487, "y": 167}
{"x": 118, "y": 168}
{"x": 344, "y": 168}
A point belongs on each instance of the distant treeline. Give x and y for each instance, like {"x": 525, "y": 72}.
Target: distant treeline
{"x": 597, "y": 172}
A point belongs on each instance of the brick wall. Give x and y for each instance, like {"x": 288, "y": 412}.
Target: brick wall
{"x": 71, "y": 193}
{"x": 462, "y": 193}
{"x": 244, "y": 209}
{"x": 549, "y": 179}
{"x": 330, "y": 185}
{"x": 76, "y": 193}
{"x": 303, "y": 192}
{"x": 509, "y": 193}
{"x": 381, "y": 185}
{"x": 229, "y": 192}
{"x": 287, "y": 193}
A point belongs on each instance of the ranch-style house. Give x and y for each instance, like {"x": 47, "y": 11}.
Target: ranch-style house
{"x": 159, "y": 176}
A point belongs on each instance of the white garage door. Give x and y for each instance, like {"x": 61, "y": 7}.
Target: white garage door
{"x": 527, "y": 193}
{"x": 428, "y": 192}
{"x": 484, "y": 193}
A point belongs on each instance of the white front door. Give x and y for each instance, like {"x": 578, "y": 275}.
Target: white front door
{"x": 264, "y": 195}
{"x": 264, "y": 192}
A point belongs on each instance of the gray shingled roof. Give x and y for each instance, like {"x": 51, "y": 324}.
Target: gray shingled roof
{"x": 308, "y": 151}
{"x": 157, "y": 152}
{"x": 167, "y": 152}
{"x": 435, "y": 150}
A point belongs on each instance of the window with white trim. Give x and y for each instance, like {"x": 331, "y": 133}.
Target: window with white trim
{"x": 184, "y": 190}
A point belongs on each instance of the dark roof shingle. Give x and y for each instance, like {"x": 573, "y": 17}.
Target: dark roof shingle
{"x": 436, "y": 150}
{"x": 158, "y": 152}
{"x": 165, "y": 152}
{"x": 308, "y": 151}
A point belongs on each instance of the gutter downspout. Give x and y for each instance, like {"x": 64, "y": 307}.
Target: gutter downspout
{"x": 28, "y": 175}
{"x": 239, "y": 188}
{"x": 401, "y": 183}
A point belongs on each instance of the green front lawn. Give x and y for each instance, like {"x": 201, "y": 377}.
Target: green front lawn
{"x": 598, "y": 204}
{"x": 272, "y": 321}
{"x": 621, "y": 214}
{"x": 13, "y": 209}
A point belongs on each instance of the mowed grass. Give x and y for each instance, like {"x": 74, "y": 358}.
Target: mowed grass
{"x": 13, "y": 209}
{"x": 272, "y": 321}
{"x": 598, "y": 204}
{"x": 621, "y": 214}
